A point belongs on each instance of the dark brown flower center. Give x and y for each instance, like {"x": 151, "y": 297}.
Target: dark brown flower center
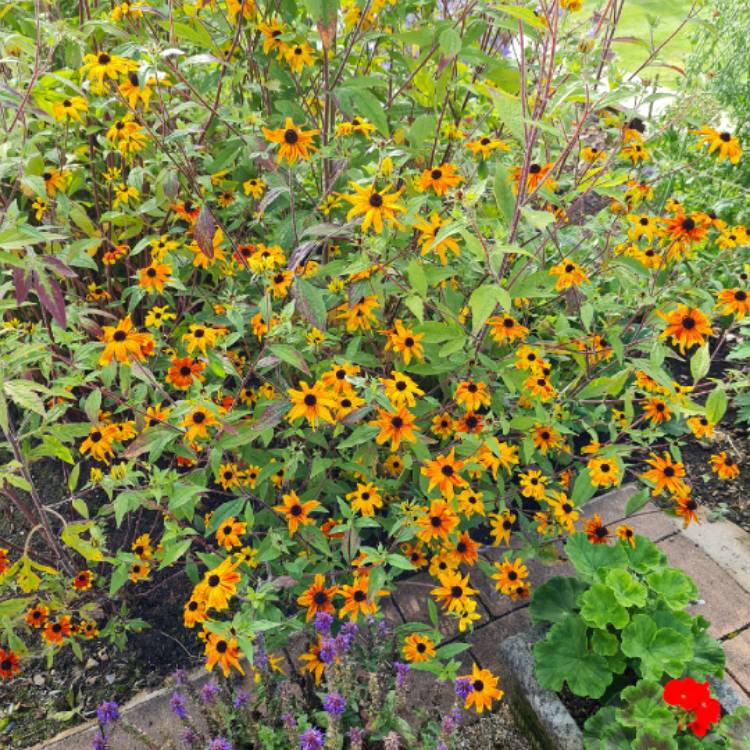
{"x": 291, "y": 136}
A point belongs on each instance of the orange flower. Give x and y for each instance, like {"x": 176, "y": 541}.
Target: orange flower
{"x": 440, "y": 179}
{"x": 224, "y": 652}
{"x": 296, "y": 512}
{"x": 293, "y": 142}
{"x": 82, "y": 581}
{"x": 197, "y": 422}
{"x": 686, "y": 326}
{"x": 229, "y": 532}
{"x": 438, "y": 522}
{"x": 122, "y": 343}
{"x": 484, "y": 690}
{"x": 394, "y": 426}
{"x": 154, "y": 276}
{"x": 665, "y": 475}
{"x": 54, "y": 632}
{"x": 36, "y": 617}
{"x": 356, "y": 599}
{"x": 595, "y": 530}
{"x": 311, "y": 402}
{"x": 9, "y": 664}
{"x": 317, "y": 598}
{"x": 183, "y": 371}
{"x": 443, "y": 474}
{"x": 219, "y": 585}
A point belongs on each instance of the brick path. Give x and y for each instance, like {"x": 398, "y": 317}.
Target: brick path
{"x": 716, "y": 556}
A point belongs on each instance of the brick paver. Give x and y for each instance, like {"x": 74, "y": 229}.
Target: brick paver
{"x": 722, "y": 600}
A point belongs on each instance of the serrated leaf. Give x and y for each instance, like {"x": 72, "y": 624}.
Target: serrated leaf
{"x": 674, "y": 587}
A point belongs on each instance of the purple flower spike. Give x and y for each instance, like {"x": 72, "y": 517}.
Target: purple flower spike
{"x": 177, "y": 704}
{"x": 107, "y": 712}
{"x": 334, "y": 704}
{"x": 463, "y": 687}
{"x": 312, "y": 739}
{"x": 323, "y": 622}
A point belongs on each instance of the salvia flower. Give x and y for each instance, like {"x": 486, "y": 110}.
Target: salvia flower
{"x": 241, "y": 699}
{"x": 180, "y": 677}
{"x": 463, "y": 687}
{"x": 219, "y": 743}
{"x": 328, "y": 650}
{"x": 356, "y": 737}
{"x": 334, "y": 704}
{"x": 99, "y": 742}
{"x": 312, "y": 739}
{"x": 107, "y": 712}
{"x": 323, "y": 622}
{"x": 209, "y": 691}
{"x": 177, "y": 704}
{"x": 402, "y": 672}
{"x": 189, "y": 737}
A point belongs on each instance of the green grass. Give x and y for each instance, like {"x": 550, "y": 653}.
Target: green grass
{"x": 635, "y": 23}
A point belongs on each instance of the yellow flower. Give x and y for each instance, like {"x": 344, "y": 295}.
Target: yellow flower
{"x": 298, "y": 56}
{"x": 376, "y": 207}
{"x": 293, "y": 142}
{"x": 70, "y": 109}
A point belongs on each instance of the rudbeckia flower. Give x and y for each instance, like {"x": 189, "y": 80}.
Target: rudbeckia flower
{"x": 725, "y": 467}
{"x": 395, "y": 426}
{"x": 595, "y": 530}
{"x": 366, "y": 499}
{"x": 311, "y": 402}
{"x": 376, "y": 207}
{"x": 296, "y": 512}
{"x": 604, "y": 472}
{"x": 317, "y": 598}
{"x": 218, "y": 585}
{"x": 568, "y": 274}
{"x": 442, "y": 472}
{"x": 405, "y": 342}
{"x": 9, "y": 664}
{"x": 293, "y": 142}
{"x": 70, "y": 109}
{"x": 224, "y": 652}
{"x": 687, "y": 327}
{"x": 441, "y": 179}
{"x": 454, "y": 591}
{"x": 722, "y": 142}
{"x": 418, "y": 648}
{"x": 509, "y": 574}
{"x": 484, "y": 690}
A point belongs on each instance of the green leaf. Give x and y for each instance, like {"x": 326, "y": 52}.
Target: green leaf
{"x": 603, "y": 732}
{"x": 646, "y": 556}
{"x": 555, "y": 599}
{"x": 309, "y": 303}
{"x": 422, "y": 129}
{"x": 605, "y": 643}
{"x": 450, "y": 42}
{"x": 716, "y": 404}
{"x": 9, "y": 608}
{"x": 588, "y": 558}
{"x": 627, "y": 589}
{"x": 660, "y": 650}
{"x": 564, "y": 656}
{"x": 650, "y": 739}
{"x": 700, "y": 363}
{"x": 636, "y": 502}
{"x": 92, "y": 405}
{"x": 287, "y": 353}
{"x": 415, "y": 274}
{"x": 483, "y": 301}
{"x": 600, "y": 608}
{"x": 174, "y": 551}
{"x": 361, "y": 101}
{"x": 736, "y": 729}
{"x": 675, "y": 588}
{"x": 504, "y": 198}
{"x": 644, "y": 708}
